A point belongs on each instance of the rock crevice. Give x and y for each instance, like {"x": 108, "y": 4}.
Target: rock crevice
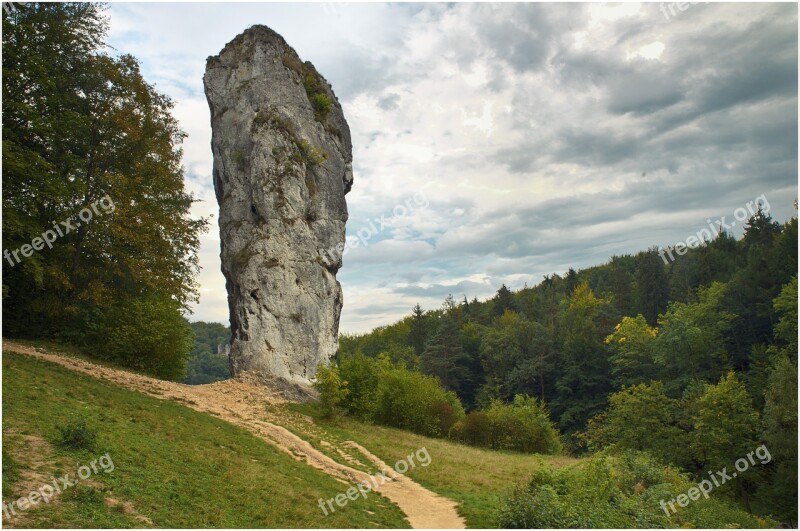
{"x": 282, "y": 166}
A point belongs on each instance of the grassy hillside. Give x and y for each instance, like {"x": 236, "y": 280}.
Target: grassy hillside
{"x": 172, "y": 465}
{"x": 477, "y": 479}
{"x": 175, "y": 467}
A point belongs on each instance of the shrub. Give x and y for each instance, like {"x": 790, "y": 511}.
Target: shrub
{"x": 416, "y": 402}
{"x": 332, "y": 390}
{"x": 363, "y": 375}
{"x": 147, "y": 334}
{"x": 608, "y": 491}
{"x": 76, "y": 434}
{"x": 475, "y": 429}
{"x": 522, "y": 426}
{"x": 310, "y": 155}
{"x": 322, "y": 106}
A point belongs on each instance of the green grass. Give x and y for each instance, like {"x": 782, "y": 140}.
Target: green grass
{"x": 176, "y": 466}
{"x": 475, "y": 478}
{"x": 72, "y": 351}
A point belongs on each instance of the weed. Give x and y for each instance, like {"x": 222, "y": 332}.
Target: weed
{"x": 310, "y": 154}
{"x": 314, "y": 85}
{"x": 76, "y": 434}
{"x": 322, "y": 106}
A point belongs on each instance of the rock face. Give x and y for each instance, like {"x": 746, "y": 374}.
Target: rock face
{"x": 282, "y": 166}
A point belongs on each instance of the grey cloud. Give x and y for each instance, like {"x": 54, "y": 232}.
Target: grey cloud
{"x": 390, "y": 102}
{"x": 466, "y": 287}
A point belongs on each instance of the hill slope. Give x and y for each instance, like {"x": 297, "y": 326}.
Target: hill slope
{"x": 175, "y": 467}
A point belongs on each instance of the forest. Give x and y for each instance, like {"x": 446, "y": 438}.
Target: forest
{"x": 692, "y": 361}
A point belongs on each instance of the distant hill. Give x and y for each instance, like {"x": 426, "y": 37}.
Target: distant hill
{"x": 208, "y": 360}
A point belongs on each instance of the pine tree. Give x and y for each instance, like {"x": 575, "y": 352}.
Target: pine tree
{"x": 652, "y": 285}
{"x": 418, "y": 334}
{"x": 503, "y": 300}
{"x": 445, "y": 358}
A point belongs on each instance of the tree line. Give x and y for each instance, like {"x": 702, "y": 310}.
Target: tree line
{"x": 694, "y": 361}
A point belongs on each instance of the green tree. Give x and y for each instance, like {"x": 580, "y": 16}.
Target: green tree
{"x": 445, "y": 358}
{"x": 146, "y": 333}
{"x": 81, "y": 128}
{"x": 363, "y": 376}
{"x": 584, "y": 380}
{"x": 500, "y": 352}
{"x": 725, "y": 428}
{"x": 418, "y": 334}
{"x": 754, "y": 286}
{"x": 332, "y": 390}
{"x": 643, "y": 418}
{"x": 652, "y": 285}
{"x": 621, "y": 284}
{"x": 503, "y": 301}
{"x": 785, "y": 331}
{"x": 779, "y": 496}
{"x": 690, "y": 345}
{"x": 534, "y": 370}
{"x": 632, "y": 345}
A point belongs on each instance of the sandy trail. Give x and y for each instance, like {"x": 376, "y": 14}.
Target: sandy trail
{"x": 242, "y": 403}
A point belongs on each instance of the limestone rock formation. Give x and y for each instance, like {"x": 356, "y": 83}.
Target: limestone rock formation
{"x": 282, "y": 166}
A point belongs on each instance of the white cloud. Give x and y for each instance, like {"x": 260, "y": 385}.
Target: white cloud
{"x": 543, "y": 136}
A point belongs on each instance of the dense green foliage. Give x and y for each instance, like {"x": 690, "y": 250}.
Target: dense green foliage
{"x": 377, "y": 390}
{"x": 93, "y": 193}
{"x": 208, "y": 361}
{"x": 75, "y": 434}
{"x": 332, "y": 391}
{"x": 392, "y": 395}
{"x": 147, "y": 334}
{"x": 690, "y": 360}
{"x": 615, "y": 491}
{"x": 523, "y": 426}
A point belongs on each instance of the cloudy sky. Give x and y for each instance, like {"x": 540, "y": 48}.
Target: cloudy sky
{"x": 503, "y": 142}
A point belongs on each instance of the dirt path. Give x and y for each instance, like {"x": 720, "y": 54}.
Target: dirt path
{"x": 242, "y": 403}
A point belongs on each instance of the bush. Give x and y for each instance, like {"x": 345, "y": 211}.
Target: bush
{"x": 608, "y": 491}
{"x": 522, "y": 426}
{"x": 475, "y": 429}
{"x": 332, "y": 390}
{"x": 363, "y": 376}
{"x": 147, "y": 334}
{"x": 76, "y": 435}
{"x": 416, "y": 402}
{"x": 374, "y": 389}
